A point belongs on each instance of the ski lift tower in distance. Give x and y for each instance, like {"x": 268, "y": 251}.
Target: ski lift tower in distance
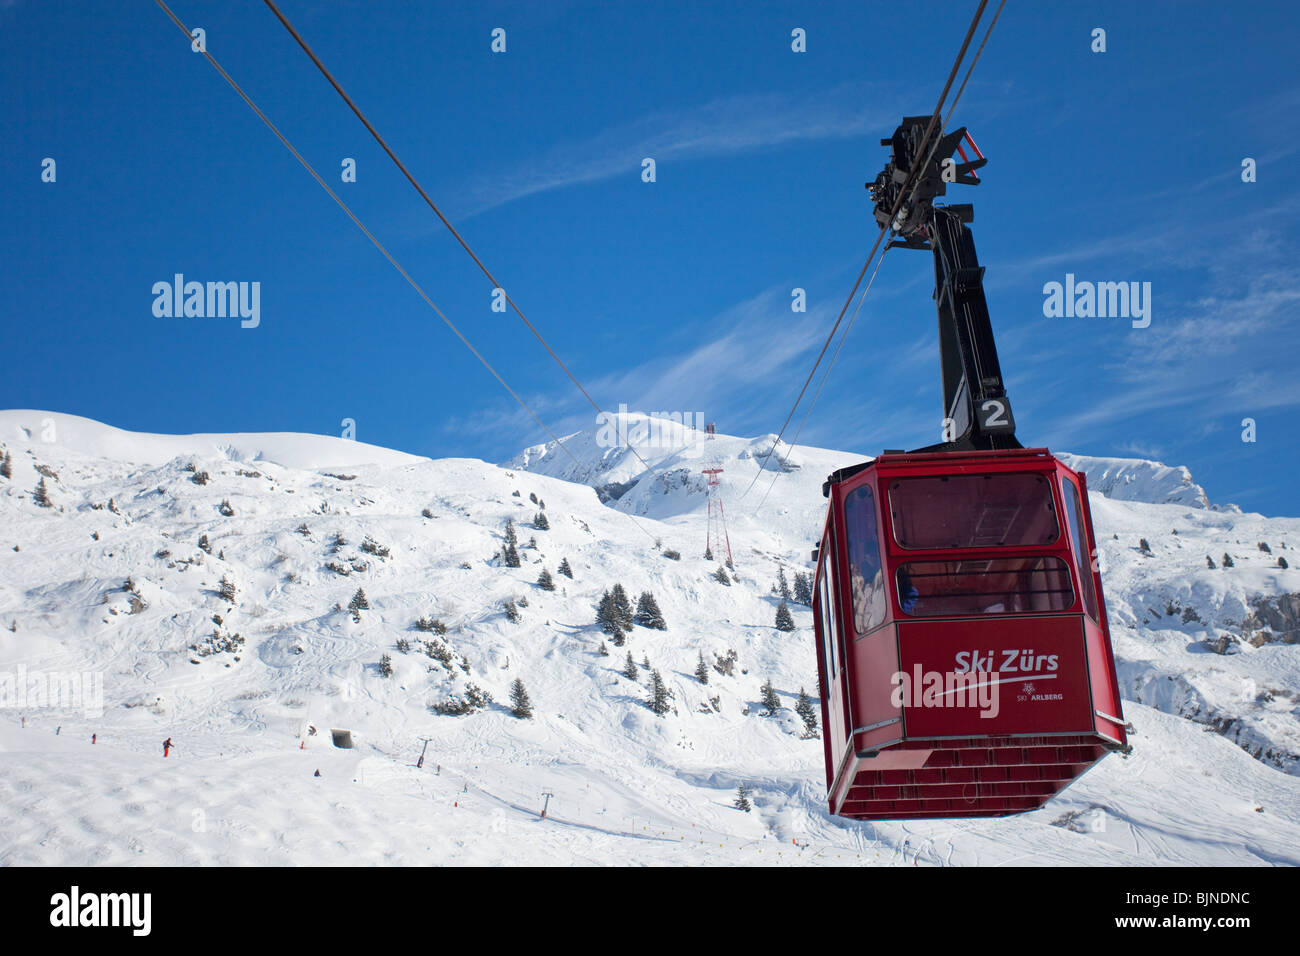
{"x": 717, "y": 517}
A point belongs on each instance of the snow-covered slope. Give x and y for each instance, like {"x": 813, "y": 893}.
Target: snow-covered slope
{"x": 239, "y": 685}
{"x": 84, "y": 437}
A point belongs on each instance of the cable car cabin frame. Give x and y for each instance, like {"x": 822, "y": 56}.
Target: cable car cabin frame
{"x": 962, "y": 638}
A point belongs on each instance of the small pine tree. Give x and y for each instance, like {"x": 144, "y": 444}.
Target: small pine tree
{"x": 565, "y": 569}
{"x": 512, "y": 612}
{"x": 227, "y": 590}
{"x": 702, "y": 670}
{"x": 544, "y": 581}
{"x": 771, "y": 702}
{"x": 1227, "y": 560}
{"x": 708, "y": 555}
{"x": 510, "y": 553}
{"x": 7, "y": 466}
{"x": 803, "y": 588}
{"x": 540, "y": 522}
{"x": 1209, "y": 562}
{"x": 784, "y": 619}
{"x": 648, "y": 614}
{"x": 520, "y": 704}
{"x": 782, "y": 585}
{"x": 532, "y": 496}
{"x": 225, "y": 508}
{"x": 622, "y": 608}
{"x": 629, "y": 668}
{"x": 804, "y": 708}
{"x": 41, "y": 496}
{"x": 742, "y": 798}
{"x": 660, "y": 695}
{"x": 618, "y": 635}
{"x": 721, "y": 576}
{"x": 385, "y": 666}
{"x": 1144, "y": 546}
{"x": 1281, "y": 562}
{"x": 1263, "y": 546}
{"x": 359, "y": 603}
{"x": 606, "y": 616}
{"x": 603, "y": 650}
{"x": 205, "y": 544}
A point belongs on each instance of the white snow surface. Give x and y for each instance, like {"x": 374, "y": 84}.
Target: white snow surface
{"x": 1136, "y": 479}
{"x": 1212, "y": 780}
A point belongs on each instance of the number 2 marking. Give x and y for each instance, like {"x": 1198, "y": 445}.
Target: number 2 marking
{"x": 998, "y": 418}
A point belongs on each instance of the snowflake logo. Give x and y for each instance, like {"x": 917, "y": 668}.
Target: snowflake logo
{"x": 1027, "y": 687}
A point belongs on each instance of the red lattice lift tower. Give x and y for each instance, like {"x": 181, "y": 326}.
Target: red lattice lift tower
{"x": 716, "y": 516}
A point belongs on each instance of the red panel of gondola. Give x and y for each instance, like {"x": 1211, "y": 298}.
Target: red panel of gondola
{"x": 962, "y": 643}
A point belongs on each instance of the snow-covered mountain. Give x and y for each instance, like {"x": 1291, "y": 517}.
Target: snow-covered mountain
{"x": 249, "y": 684}
{"x": 1136, "y": 479}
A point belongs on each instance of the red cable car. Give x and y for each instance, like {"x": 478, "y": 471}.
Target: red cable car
{"x": 962, "y": 645}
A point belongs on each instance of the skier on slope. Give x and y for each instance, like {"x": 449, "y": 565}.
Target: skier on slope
{"x": 167, "y": 746}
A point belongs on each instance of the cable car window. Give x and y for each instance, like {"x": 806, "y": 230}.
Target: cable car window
{"x": 985, "y": 586}
{"x": 827, "y": 643}
{"x": 866, "y": 579}
{"x": 1079, "y": 545}
{"x": 828, "y": 609}
{"x": 973, "y": 511}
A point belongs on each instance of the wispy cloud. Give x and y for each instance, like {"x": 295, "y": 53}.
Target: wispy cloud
{"x": 746, "y": 375}
{"x": 1219, "y": 352}
{"x": 725, "y": 126}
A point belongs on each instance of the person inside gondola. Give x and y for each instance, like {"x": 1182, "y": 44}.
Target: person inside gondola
{"x": 907, "y": 592}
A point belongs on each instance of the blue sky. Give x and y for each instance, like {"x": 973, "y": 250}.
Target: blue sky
{"x": 665, "y": 296}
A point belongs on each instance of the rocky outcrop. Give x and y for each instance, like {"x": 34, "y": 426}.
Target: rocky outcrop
{"x": 1273, "y": 620}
